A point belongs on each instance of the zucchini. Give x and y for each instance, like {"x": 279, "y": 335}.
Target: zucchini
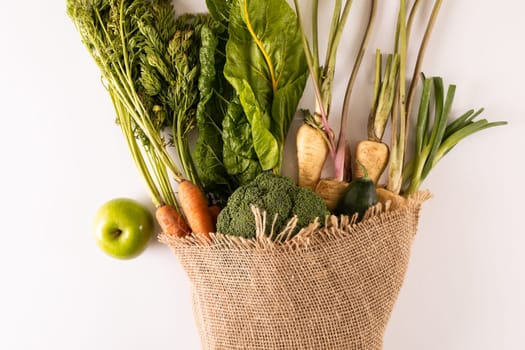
{"x": 358, "y": 196}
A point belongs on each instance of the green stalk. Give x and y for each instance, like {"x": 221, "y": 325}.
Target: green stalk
{"x": 320, "y": 112}
{"x": 387, "y": 95}
{"x": 180, "y": 132}
{"x": 138, "y": 112}
{"x": 334, "y": 24}
{"x": 340, "y": 158}
{"x": 395, "y": 170}
{"x": 375, "y": 97}
{"x": 125, "y": 125}
{"x": 461, "y": 122}
{"x": 142, "y": 117}
{"x": 124, "y": 86}
{"x": 459, "y": 135}
{"x": 430, "y": 148}
{"x": 413, "y": 11}
{"x": 421, "y": 56}
{"x": 131, "y": 113}
{"x": 160, "y": 173}
{"x": 439, "y": 128}
{"x": 315, "y": 37}
{"x": 423, "y": 115}
{"x": 336, "y": 31}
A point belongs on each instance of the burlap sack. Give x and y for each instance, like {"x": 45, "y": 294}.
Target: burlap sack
{"x": 329, "y": 287}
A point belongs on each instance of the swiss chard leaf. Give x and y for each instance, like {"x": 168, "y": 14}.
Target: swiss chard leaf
{"x": 239, "y": 154}
{"x": 220, "y": 10}
{"x": 210, "y": 114}
{"x": 265, "y": 64}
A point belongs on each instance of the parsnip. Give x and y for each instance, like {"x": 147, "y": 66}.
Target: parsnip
{"x": 374, "y": 157}
{"x": 384, "y": 195}
{"x": 312, "y": 151}
{"x": 331, "y": 190}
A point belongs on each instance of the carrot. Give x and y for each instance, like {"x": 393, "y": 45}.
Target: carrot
{"x": 374, "y": 157}
{"x": 312, "y": 151}
{"x": 195, "y": 207}
{"x": 171, "y": 222}
{"x": 214, "y": 212}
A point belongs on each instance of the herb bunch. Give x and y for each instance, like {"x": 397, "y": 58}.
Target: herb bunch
{"x": 148, "y": 59}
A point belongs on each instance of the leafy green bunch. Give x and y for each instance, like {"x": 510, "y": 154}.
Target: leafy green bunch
{"x": 149, "y": 61}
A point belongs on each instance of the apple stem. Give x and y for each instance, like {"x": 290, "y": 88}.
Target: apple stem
{"x": 117, "y": 233}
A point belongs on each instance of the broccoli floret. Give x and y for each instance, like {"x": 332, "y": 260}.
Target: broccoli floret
{"x": 308, "y": 206}
{"x": 274, "y": 194}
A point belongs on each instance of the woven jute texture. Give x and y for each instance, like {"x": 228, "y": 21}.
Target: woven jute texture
{"x": 332, "y": 286}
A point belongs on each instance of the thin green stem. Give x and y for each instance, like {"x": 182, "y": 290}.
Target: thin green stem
{"x": 125, "y": 125}
{"x": 377, "y": 87}
{"x": 320, "y": 111}
{"x": 399, "y": 122}
{"x": 423, "y": 115}
{"x": 315, "y": 36}
{"x": 388, "y": 93}
{"x": 159, "y": 171}
{"x": 411, "y": 16}
{"x": 331, "y": 55}
{"x": 420, "y": 58}
{"x": 341, "y": 143}
{"x": 183, "y": 149}
{"x": 334, "y": 25}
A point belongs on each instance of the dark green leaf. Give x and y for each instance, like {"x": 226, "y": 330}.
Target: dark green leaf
{"x": 220, "y": 10}
{"x": 440, "y": 125}
{"x": 239, "y": 154}
{"x": 208, "y": 153}
{"x": 423, "y": 115}
{"x": 265, "y": 64}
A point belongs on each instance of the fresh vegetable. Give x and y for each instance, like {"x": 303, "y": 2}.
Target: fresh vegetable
{"x": 214, "y": 213}
{"x": 279, "y": 197}
{"x": 266, "y": 66}
{"x": 171, "y": 222}
{"x": 215, "y": 93}
{"x": 402, "y": 104}
{"x": 330, "y": 190}
{"x": 373, "y": 153}
{"x": 235, "y": 77}
{"x": 149, "y": 62}
{"x": 312, "y": 150}
{"x": 240, "y": 158}
{"x": 195, "y": 207}
{"x": 433, "y": 142}
{"x": 357, "y": 197}
{"x": 323, "y": 79}
{"x": 374, "y": 157}
{"x": 384, "y": 196}
{"x": 119, "y": 35}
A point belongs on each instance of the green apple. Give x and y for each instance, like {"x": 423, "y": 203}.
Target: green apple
{"x": 123, "y": 228}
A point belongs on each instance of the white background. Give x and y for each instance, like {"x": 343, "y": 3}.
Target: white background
{"x": 62, "y": 156}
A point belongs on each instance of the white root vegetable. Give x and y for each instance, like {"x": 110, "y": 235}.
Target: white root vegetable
{"x": 330, "y": 190}
{"x": 374, "y": 157}
{"x": 312, "y": 151}
{"x": 384, "y": 195}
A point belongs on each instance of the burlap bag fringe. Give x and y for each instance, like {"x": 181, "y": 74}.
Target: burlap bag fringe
{"x": 332, "y": 286}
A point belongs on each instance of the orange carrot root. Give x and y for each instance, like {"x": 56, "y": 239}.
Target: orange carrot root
{"x": 195, "y": 207}
{"x": 171, "y": 222}
{"x": 214, "y": 212}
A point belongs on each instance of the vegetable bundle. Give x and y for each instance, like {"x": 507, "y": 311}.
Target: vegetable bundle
{"x": 220, "y": 90}
{"x": 205, "y": 103}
